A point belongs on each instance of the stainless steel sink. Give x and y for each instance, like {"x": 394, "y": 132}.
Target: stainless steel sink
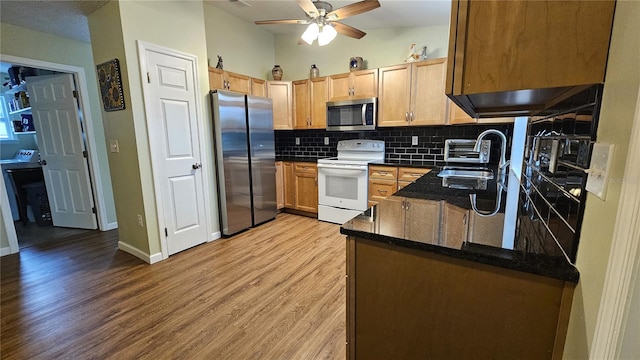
{"x": 466, "y": 173}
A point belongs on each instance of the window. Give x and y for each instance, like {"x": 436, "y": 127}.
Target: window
{"x": 6, "y": 132}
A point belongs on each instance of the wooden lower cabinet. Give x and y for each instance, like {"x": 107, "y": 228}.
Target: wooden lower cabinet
{"x": 279, "y": 185}
{"x": 453, "y": 235}
{"x": 306, "y": 185}
{"x": 289, "y": 185}
{"x": 301, "y": 186}
{"x": 409, "y": 304}
{"x": 385, "y": 180}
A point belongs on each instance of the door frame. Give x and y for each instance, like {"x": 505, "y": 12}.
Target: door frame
{"x": 143, "y": 47}
{"x": 80, "y": 79}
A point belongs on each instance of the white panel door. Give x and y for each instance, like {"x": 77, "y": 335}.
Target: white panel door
{"x": 173, "y": 130}
{"x": 56, "y": 117}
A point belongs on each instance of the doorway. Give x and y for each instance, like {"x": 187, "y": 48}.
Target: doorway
{"x": 20, "y": 235}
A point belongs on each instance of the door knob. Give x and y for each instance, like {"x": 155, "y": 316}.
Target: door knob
{"x": 42, "y": 162}
{"x": 196, "y": 166}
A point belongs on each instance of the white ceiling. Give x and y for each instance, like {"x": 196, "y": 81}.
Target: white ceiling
{"x": 390, "y": 14}
{"x": 68, "y": 18}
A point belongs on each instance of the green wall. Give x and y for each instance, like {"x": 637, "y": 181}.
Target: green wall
{"x": 616, "y": 119}
{"x": 116, "y": 29}
{"x": 379, "y": 48}
{"x": 245, "y": 48}
{"x": 35, "y": 45}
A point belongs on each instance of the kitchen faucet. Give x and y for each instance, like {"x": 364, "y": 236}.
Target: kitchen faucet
{"x": 503, "y": 148}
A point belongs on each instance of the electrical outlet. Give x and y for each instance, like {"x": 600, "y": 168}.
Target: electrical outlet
{"x": 414, "y": 140}
{"x": 326, "y": 140}
{"x": 599, "y": 170}
{"x": 114, "y": 147}
{"x": 140, "y": 222}
{"x": 297, "y": 141}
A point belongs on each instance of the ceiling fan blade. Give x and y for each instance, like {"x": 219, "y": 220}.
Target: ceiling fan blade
{"x": 287, "y": 22}
{"x": 308, "y": 7}
{"x": 353, "y": 9}
{"x": 348, "y": 30}
{"x": 302, "y": 42}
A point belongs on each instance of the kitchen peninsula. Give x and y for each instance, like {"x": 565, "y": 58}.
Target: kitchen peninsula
{"x": 430, "y": 277}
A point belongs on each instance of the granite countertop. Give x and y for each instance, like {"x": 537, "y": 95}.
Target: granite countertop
{"x": 476, "y": 225}
{"x": 296, "y": 158}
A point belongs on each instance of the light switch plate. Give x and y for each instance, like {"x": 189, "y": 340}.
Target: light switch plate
{"x": 297, "y": 141}
{"x": 114, "y": 147}
{"x": 598, "y": 171}
{"x": 414, "y": 140}
{"x": 326, "y": 140}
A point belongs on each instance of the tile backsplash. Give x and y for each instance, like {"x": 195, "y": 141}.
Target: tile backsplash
{"x": 398, "y": 148}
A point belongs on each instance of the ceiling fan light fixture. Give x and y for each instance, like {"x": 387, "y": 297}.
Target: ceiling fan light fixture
{"x": 311, "y": 33}
{"x": 327, "y": 34}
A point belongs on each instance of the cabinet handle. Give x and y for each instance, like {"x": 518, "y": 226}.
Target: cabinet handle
{"x": 382, "y": 192}
{"x": 464, "y": 219}
{"x": 383, "y": 173}
{"x": 407, "y": 205}
{"x": 412, "y": 117}
{"x": 406, "y": 116}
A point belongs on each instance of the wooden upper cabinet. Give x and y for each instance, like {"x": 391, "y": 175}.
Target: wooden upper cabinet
{"x": 226, "y": 80}
{"x": 301, "y": 112}
{"x": 318, "y": 96}
{"x": 394, "y": 95}
{"x": 428, "y": 101}
{"x": 458, "y": 116}
{"x": 280, "y": 93}
{"x": 354, "y": 85}
{"x": 551, "y": 49}
{"x": 310, "y": 103}
{"x": 413, "y": 94}
{"x": 258, "y": 87}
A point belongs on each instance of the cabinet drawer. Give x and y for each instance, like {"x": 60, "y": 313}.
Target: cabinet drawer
{"x": 383, "y": 172}
{"x": 411, "y": 174}
{"x": 380, "y": 189}
{"x": 302, "y": 167}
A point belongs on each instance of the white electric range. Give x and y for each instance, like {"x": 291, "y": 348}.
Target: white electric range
{"x": 343, "y": 180}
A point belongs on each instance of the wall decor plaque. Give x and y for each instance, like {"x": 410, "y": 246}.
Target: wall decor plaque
{"x": 110, "y": 85}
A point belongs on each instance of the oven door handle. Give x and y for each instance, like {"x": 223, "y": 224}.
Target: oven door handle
{"x": 343, "y": 167}
{"x": 342, "y": 170}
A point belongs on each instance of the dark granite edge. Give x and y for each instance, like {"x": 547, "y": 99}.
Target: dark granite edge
{"x": 503, "y": 258}
{"x": 413, "y": 164}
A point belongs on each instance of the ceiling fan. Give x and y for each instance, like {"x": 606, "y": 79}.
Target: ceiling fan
{"x": 323, "y": 20}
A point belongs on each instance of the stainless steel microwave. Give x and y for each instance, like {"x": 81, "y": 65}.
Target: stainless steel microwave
{"x": 357, "y": 114}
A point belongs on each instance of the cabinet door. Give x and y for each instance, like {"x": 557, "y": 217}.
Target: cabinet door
{"x": 306, "y": 192}
{"x": 411, "y": 174}
{"x": 365, "y": 83}
{"x": 339, "y": 87}
{"x": 422, "y": 221}
{"x": 301, "y": 104}
{"x": 391, "y": 216}
{"x": 258, "y": 87}
{"x": 486, "y": 230}
{"x": 216, "y": 79}
{"x": 238, "y": 83}
{"x": 455, "y": 222}
{"x": 280, "y": 93}
{"x": 279, "y": 185}
{"x": 381, "y": 189}
{"x": 289, "y": 185}
{"x": 428, "y": 101}
{"x": 458, "y": 116}
{"x": 318, "y": 96}
{"x": 395, "y": 95}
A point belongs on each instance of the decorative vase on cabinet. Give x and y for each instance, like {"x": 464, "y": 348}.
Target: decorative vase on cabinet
{"x": 277, "y": 73}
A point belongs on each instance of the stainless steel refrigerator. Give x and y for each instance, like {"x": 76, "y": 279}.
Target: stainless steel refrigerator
{"x": 245, "y": 159}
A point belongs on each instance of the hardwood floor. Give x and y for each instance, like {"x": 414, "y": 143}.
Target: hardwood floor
{"x": 273, "y": 292}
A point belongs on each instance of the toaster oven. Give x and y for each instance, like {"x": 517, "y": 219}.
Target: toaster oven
{"x": 461, "y": 151}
